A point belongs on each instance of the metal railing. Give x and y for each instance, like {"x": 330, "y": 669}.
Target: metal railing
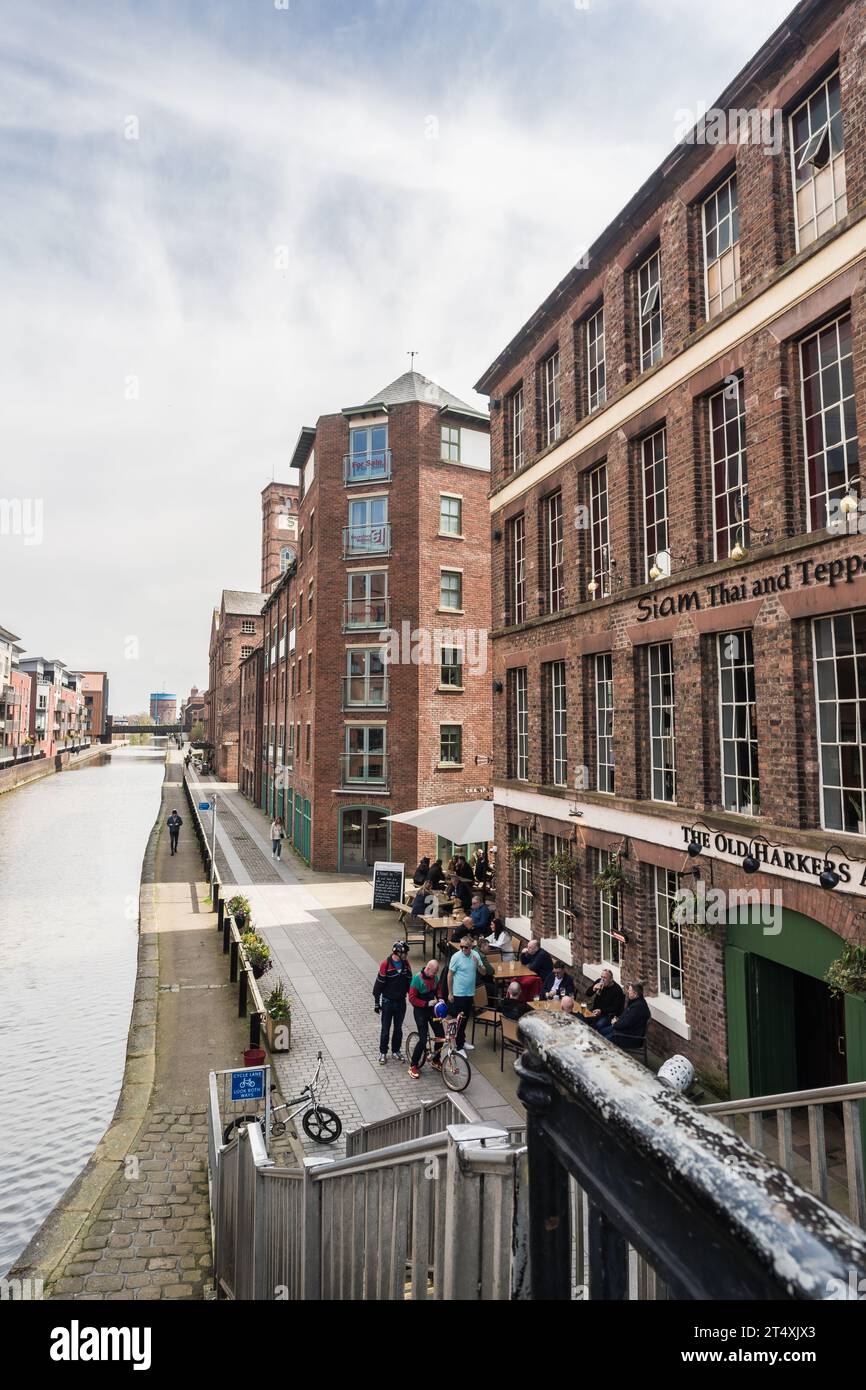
{"x": 430, "y": 1117}
{"x": 364, "y": 770}
{"x": 367, "y": 540}
{"x": 372, "y": 467}
{"x": 634, "y": 1192}
{"x": 365, "y": 692}
{"x": 361, "y": 614}
{"x": 793, "y": 1128}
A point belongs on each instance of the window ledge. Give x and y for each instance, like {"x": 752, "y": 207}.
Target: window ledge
{"x": 670, "y": 1013}
{"x": 451, "y": 689}
{"x": 449, "y": 767}
{"x": 450, "y": 535}
{"x": 455, "y": 612}
{"x": 593, "y": 971}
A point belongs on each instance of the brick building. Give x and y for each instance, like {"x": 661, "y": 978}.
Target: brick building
{"x": 192, "y": 710}
{"x": 236, "y": 630}
{"x": 163, "y": 707}
{"x": 679, "y": 579}
{"x": 393, "y": 538}
{"x": 14, "y": 701}
{"x": 279, "y": 531}
{"x": 95, "y": 690}
{"x": 251, "y": 721}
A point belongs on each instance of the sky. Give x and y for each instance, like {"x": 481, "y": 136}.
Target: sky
{"x": 220, "y": 219}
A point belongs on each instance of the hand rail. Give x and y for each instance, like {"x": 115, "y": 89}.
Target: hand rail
{"x": 788, "y": 1100}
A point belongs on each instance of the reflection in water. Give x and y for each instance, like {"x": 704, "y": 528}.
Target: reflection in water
{"x": 71, "y": 848}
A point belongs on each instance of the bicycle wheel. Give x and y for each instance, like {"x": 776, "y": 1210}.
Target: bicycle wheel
{"x": 411, "y": 1044}
{"x": 228, "y": 1132}
{"x": 322, "y": 1125}
{"x": 456, "y": 1071}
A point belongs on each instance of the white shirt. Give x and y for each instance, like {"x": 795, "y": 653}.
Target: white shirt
{"x": 503, "y": 940}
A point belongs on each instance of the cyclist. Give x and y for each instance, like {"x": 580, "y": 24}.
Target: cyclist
{"x": 390, "y": 990}
{"x": 423, "y": 995}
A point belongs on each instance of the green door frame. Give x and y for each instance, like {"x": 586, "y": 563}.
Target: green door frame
{"x": 361, "y": 806}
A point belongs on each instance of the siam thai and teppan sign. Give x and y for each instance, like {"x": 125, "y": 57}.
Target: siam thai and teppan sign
{"x": 793, "y": 861}
{"x": 799, "y": 574}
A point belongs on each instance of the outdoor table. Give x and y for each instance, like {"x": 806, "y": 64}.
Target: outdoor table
{"x": 512, "y": 970}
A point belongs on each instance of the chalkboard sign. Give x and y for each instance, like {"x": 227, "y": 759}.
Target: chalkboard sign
{"x": 388, "y": 882}
{"x": 248, "y": 1085}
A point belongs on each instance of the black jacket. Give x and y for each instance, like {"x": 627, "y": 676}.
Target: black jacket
{"x": 465, "y": 872}
{"x": 514, "y": 1009}
{"x": 392, "y": 981}
{"x": 174, "y": 822}
{"x": 610, "y": 1000}
{"x": 462, "y": 894}
{"x": 422, "y": 873}
{"x": 566, "y": 984}
{"x": 436, "y": 875}
{"x": 632, "y": 1023}
{"x": 541, "y": 962}
{"x": 422, "y": 903}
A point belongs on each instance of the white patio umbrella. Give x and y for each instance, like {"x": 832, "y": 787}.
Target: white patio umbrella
{"x": 461, "y": 822}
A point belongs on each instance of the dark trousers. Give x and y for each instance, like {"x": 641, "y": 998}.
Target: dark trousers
{"x": 463, "y": 1004}
{"x": 172, "y": 836}
{"x": 277, "y": 848}
{"x": 423, "y": 1022}
{"x": 393, "y": 1013}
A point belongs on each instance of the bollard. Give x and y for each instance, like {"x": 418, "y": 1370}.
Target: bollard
{"x": 227, "y": 932}
{"x": 220, "y": 911}
{"x": 233, "y": 961}
{"x": 255, "y": 1029}
{"x": 242, "y": 995}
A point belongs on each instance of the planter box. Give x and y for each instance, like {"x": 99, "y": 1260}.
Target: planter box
{"x": 278, "y": 1033}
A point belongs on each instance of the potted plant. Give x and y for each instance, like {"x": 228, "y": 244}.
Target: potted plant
{"x": 847, "y": 974}
{"x": 239, "y": 907}
{"x": 751, "y": 805}
{"x": 562, "y": 866}
{"x": 856, "y": 804}
{"x": 523, "y": 849}
{"x": 278, "y": 1019}
{"x": 257, "y": 952}
{"x": 610, "y": 879}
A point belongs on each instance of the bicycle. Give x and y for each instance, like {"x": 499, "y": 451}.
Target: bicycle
{"x": 455, "y": 1070}
{"x": 322, "y": 1125}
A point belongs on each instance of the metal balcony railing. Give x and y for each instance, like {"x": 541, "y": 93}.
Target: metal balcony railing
{"x": 367, "y": 540}
{"x": 373, "y": 467}
{"x": 364, "y": 769}
{"x": 365, "y": 692}
{"x": 364, "y": 614}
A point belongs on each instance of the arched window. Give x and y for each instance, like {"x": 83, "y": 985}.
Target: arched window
{"x": 286, "y": 557}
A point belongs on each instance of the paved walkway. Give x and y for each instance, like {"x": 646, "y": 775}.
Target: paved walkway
{"x": 327, "y": 945}
{"x": 149, "y": 1237}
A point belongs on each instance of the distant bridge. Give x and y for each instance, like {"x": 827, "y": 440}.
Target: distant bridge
{"x": 159, "y": 730}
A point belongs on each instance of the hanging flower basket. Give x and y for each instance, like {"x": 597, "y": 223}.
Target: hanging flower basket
{"x": 523, "y": 849}
{"x": 847, "y": 974}
{"x": 611, "y": 880}
{"x": 562, "y": 866}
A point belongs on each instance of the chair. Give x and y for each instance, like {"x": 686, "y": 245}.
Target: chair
{"x": 509, "y": 1039}
{"x": 638, "y": 1051}
{"x": 484, "y": 1014}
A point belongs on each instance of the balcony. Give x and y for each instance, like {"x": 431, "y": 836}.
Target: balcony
{"x": 364, "y": 614}
{"x": 367, "y": 468}
{"x": 364, "y": 770}
{"x": 365, "y": 692}
{"x": 367, "y": 540}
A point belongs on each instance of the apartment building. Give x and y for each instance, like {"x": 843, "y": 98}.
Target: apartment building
{"x": 14, "y": 702}
{"x": 95, "y": 689}
{"x": 236, "y": 630}
{"x": 376, "y": 692}
{"x": 679, "y": 581}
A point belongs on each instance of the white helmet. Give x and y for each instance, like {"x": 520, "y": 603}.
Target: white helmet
{"x": 677, "y": 1073}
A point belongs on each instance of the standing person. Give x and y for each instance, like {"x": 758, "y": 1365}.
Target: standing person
{"x": 174, "y": 823}
{"x": 390, "y": 991}
{"x": 463, "y": 969}
{"x": 424, "y": 996}
{"x": 422, "y": 872}
{"x": 277, "y": 835}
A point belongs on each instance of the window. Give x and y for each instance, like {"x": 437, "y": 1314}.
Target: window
{"x": 286, "y": 554}
{"x": 366, "y": 678}
{"x": 369, "y": 460}
{"x": 450, "y": 515}
{"x": 609, "y": 914}
{"x": 309, "y": 743}
{"x": 829, "y": 419}
{"x": 245, "y": 652}
{"x": 248, "y": 625}
{"x": 552, "y": 410}
{"x": 818, "y": 162}
{"x": 367, "y": 601}
{"x": 364, "y": 759}
{"x": 449, "y": 451}
{"x": 450, "y": 743}
{"x": 310, "y": 602}
{"x": 552, "y": 511}
{"x": 740, "y": 790}
{"x": 309, "y": 670}
{"x": 451, "y": 668}
{"x": 368, "y": 530}
{"x": 604, "y": 770}
{"x": 661, "y": 710}
{"x": 721, "y": 221}
{"x": 516, "y": 604}
{"x": 655, "y": 496}
{"x": 518, "y": 719}
{"x": 451, "y": 589}
{"x": 301, "y": 608}
{"x": 595, "y": 372}
{"x": 312, "y": 526}
{"x": 840, "y": 686}
{"x": 562, "y": 892}
{"x": 649, "y": 288}
{"x": 524, "y": 879}
{"x": 558, "y": 725}
{"x": 598, "y": 533}
{"x": 516, "y": 424}
{"x": 727, "y": 421}
{"x": 669, "y": 934}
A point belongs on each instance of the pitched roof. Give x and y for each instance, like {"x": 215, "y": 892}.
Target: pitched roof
{"x": 412, "y": 386}
{"x": 239, "y": 601}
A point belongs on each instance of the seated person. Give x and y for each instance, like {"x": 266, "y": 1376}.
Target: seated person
{"x": 558, "y": 984}
{"x": 513, "y": 1006}
{"x": 422, "y": 872}
{"x": 459, "y": 930}
{"x": 605, "y": 999}
{"x": 424, "y": 903}
{"x": 537, "y": 959}
{"x": 481, "y": 914}
{"x": 566, "y": 1004}
{"x": 435, "y": 874}
{"x": 501, "y": 937}
{"x": 629, "y": 1028}
{"x": 459, "y": 892}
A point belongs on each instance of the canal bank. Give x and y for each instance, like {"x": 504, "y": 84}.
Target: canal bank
{"x": 21, "y": 774}
{"x": 135, "y": 1222}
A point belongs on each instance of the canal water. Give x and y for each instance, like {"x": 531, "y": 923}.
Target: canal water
{"x": 71, "y": 850}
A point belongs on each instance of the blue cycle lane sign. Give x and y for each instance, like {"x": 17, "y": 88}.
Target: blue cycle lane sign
{"x": 248, "y": 1085}
{"x": 204, "y": 805}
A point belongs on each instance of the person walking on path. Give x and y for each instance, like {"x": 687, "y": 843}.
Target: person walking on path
{"x": 277, "y": 835}
{"x": 174, "y": 823}
{"x": 424, "y": 996}
{"x": 390, "y": 992}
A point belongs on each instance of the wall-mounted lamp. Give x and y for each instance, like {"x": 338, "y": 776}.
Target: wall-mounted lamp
{"x": 497, "y": 535}
{"x": 695, "y": 847}
{"x": 850, "y": 502}
{"x": 498, "y": 687}
{"x": 740, "y": 548}
{"x": 828, "y": 878}
{"x": 661, "y": 565}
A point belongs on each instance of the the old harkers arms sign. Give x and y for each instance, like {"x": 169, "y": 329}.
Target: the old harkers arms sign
{"x": 774, "y": 856}
{"x": 801, "y": 574}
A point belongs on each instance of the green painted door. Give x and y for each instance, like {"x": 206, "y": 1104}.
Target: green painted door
{"x": 773, "y": 1052}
